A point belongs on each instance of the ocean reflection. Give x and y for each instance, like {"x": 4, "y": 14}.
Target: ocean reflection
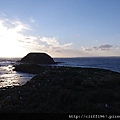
{"x": 8, "y": 77}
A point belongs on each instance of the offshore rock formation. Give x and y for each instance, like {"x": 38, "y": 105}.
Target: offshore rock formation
{"x": 38, "y": 58}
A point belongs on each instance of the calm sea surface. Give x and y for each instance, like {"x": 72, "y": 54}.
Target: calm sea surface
{"x": 8, "y": 77}
{"x": 111, "y": 63}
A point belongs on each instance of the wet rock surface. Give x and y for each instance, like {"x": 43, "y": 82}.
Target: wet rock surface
{"x": 65, "y": 90}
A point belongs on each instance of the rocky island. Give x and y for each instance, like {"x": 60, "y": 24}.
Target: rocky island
{"x": 38, "y": 58}
{"x": 64, "y": 90}
{"x": 34, "y": 63}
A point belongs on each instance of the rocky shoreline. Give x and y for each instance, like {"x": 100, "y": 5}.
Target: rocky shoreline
{"x": 63, "y": 90}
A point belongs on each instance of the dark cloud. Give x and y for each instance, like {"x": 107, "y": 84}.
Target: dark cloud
{"x": 103, "y": 47}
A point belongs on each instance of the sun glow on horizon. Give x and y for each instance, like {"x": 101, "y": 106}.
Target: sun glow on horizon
{"x": 78, "y": 28}
{"x": 14, "y": 43}
{"x": 9, "y": 40}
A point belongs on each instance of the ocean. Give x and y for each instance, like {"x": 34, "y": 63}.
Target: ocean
{"x": 10, "y": 78}
{"x": 110, "y": 63}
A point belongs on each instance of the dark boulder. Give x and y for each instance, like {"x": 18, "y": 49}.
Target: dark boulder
{"x": 37, "y": 58}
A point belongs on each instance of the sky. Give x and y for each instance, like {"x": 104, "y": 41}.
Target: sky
{"x": 60, "y": 28}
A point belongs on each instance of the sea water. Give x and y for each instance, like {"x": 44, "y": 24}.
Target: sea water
{"x": 110, "y": 63}
{"x": 8, "y": 77}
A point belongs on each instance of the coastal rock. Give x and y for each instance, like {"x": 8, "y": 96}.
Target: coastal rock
{"x": 65, "y": 90}
{"x": 29, "y": 68}
{"x": 38, "y": 58}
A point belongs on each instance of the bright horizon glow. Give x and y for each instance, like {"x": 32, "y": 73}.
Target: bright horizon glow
{"x": 74, "y": 28}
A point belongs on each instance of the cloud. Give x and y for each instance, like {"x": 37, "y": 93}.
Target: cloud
{"x": 104, "y": 47}
{"x": 32, "y": 20}
{"x": 19, "y": 26}
{"x": 14, "y": 41}
{"x": 10, "y": 33}
{"x": 54, "y": 45}
{"x": 102, "y": 50}
{"x": 47, "y": 44}
{"x": 50, "y": 41}
{"x": 68, "y": 44}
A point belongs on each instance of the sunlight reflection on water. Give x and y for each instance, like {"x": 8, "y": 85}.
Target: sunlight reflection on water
{"x": 8, "y": 77}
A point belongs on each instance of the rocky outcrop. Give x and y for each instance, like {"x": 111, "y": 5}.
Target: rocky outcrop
{"x": 65, "y": 90}
{"x": 30, "y": 68}
{"x": 38, "y": 58}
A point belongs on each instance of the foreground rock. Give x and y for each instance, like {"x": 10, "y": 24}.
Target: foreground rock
{"x": 65, "y": 90}
{"x": 31, "y": 68}
{"x": 38, "y": 58}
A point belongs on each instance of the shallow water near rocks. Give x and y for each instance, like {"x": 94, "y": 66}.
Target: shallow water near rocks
{"x": 10, "y": 78}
